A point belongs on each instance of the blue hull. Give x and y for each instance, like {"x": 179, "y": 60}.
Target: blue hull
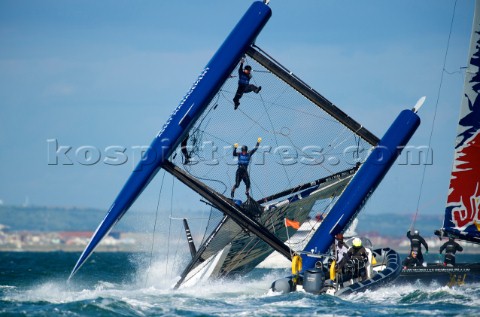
{"x": 362, "y": 185}
{"x": 183, "y": 117}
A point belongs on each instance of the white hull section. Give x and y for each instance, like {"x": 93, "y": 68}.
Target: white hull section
{"x": 207, "y": 269}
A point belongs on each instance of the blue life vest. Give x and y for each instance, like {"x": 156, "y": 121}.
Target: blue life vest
{"x": 243, "y": 159}
{"x": 243, "y": 79}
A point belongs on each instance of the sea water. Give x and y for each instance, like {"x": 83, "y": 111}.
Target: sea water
{"x": 128, "y": 284}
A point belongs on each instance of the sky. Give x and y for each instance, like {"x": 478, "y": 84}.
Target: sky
{"x": 77, "y": 74}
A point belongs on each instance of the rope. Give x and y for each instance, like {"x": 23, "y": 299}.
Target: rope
{"x": 209, "y": 179}
{"x": 169, "y": 225}
{"x": 412, "y": 225}
{"x": 274, "y": 134}
{"x": 181, "y": 233}
{"x": 288, "y": 237}
{"x": 154, "y": 228}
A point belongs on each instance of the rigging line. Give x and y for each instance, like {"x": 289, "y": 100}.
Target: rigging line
{"x": 214, "y": 136}
{"x": 255, "y": 122}
{"x": 323, "y": 214}
{"x": 434, "y": 116}
{"x": 189, "y": 171}
{"x": 154, "y": 228}
{"x": 210, "y": 179}
{"x": 251, "y": 119}
{"x": 358, "y": 146}
{"x": 274, "y": 102}
{"x": 337, "y": 143}
{"x": 260, "y": 117}
{"x": 207, "y": 227}
{"x": 181, "y": 232}
{"x": 212, "y": 106}
{"x": 170, "y": 225}
{"x": 281, "y": 94}
{"x": 312, "y": 157}
{"x": 262, "y": 193}
{"x": 194, "y": 137}
{"x": 307, "y": 113}
{"x": 288, "y": 238}
{"x": 274, "y": 135}
{"x": 188, "y": 218}
{"x": 248, "y": 246}
{"x": 272, "y": 221}
{"x": 299, "y": 243}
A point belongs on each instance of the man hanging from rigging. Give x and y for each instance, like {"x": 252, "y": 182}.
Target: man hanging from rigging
{"x": 416, "y": 241}
{"x": 244, "y": 86}
{"x": 242, "y": 170}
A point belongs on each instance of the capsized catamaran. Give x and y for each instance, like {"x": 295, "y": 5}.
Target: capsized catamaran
{"x": 285, "y": 97}
{"x": 312, "y": 152}
{"x": 462, "y": 212}
{"x": 206, "y": 114}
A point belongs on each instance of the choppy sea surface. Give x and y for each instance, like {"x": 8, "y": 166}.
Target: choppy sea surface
{"x": 127, "y": 284}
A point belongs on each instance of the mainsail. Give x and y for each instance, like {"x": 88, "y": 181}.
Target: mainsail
{"x": 462, "y": 213}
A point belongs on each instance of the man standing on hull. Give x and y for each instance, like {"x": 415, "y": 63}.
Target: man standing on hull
{"x": 242, "y": 171}
{"x": 416, "y": 241}
{"x": 450, "y": 247}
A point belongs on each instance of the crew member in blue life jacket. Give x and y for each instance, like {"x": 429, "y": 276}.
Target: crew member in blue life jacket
{"x": 450, "y": 247}
{"x": 416, "y": 241}
{"x": 243, "y": 161}
{"x": 244, "y": 85}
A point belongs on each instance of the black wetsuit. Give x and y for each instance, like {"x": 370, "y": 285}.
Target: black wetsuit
{"x": 410, "y": 261}
{"x": 450, "y": 247}
{"x": 244, "y": 86}
{"x": 356, "y": 260}
{"x": 242, "y": 171}
{"x": 416, "y": 242}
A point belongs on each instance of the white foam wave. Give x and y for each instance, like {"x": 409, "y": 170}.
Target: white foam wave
{"x": 419, "y": 293}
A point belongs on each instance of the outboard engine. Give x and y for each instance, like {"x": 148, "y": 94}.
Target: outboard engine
{"x": 284, "y": 285}
{"x": 314, "y": 280}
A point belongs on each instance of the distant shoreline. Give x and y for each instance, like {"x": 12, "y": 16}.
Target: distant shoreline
{"x": 138, "y": 249}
